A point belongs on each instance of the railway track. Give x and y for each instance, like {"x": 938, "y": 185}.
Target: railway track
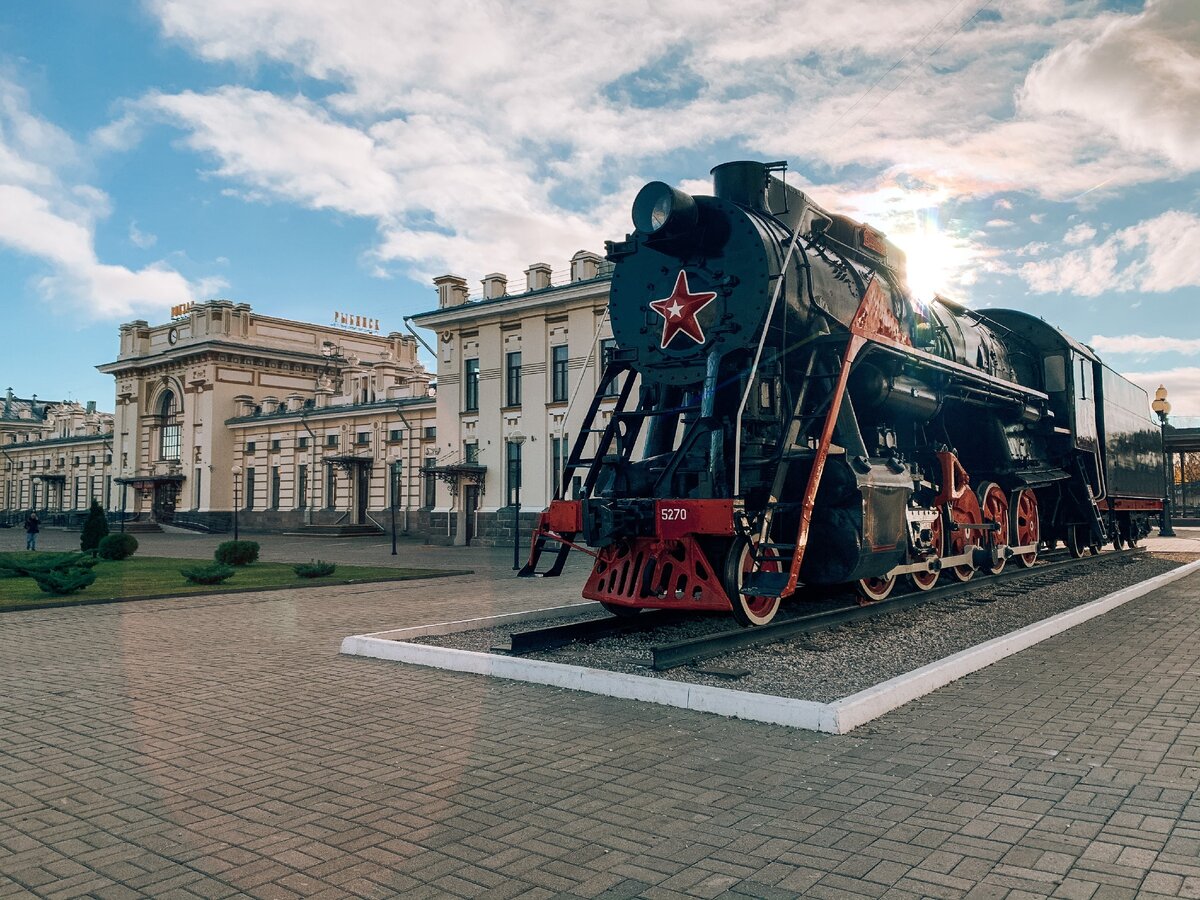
{"x": 591, "y": 629}
{"x": 694, "y": 650}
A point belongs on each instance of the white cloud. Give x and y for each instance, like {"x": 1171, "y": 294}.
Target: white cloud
{"x": 1138, "y": 79}
{"x": 443, "y": 199}
{"x": 1182, "y": 384}
{"x": 31, "y": 149}
{"x": 1079, "y": 234}
{"x": 29, "y": 225}
{"x": 45, "y": 216}
{"x": 449, "y": 122}
{"x": 1136, "y": 343}
{"x": 287, "y": 148}
{"x": 140, "y": 238}
{"x": 1153, "y": 256}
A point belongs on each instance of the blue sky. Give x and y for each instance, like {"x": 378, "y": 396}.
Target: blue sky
{"x": 304, "y": 156}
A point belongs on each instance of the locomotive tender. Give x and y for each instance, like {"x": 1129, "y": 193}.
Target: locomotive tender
{"x": 779, "y": 412}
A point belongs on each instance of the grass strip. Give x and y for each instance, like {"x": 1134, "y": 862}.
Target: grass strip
{"x": 156, "y": 577}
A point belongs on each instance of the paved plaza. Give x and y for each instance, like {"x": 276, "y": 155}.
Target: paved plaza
{"x": 220, "y": 747}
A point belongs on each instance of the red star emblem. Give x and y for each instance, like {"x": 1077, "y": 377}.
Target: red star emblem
{"x": 679, "y": 311}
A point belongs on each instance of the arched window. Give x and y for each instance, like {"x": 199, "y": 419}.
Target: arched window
{"x": 169, "y": 427}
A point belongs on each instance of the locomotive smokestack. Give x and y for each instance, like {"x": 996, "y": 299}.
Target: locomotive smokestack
{"x": 746, "y": 183}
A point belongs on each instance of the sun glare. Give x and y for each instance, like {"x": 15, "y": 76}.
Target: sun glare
{"x": 939, "y": 261}
{"x": 936, "y": 259}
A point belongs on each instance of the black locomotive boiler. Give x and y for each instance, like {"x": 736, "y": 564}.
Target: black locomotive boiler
{"x": 779, "y": 412}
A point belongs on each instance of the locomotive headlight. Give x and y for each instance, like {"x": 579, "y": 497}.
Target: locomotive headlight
{"x": 661, "y": 209}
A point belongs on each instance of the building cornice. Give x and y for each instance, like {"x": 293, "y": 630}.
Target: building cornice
{"x": 60, "y": 442}
{"x": 517, "y": 304}
{"x": 190, "y": 354}
{"x": 332, "y": 412}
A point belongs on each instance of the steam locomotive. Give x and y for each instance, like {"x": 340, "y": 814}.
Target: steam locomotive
{"x": 779, "y": 412}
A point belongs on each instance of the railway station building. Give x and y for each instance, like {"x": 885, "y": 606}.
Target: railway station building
{"x": 55, "y": 456}
{"x": 328, "y": 428}
{"x": 297, "y": 425}
{"x": 517, "y": 372}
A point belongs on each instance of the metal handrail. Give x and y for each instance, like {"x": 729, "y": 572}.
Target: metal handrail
{"x": 587, "y": 363}
{"x": 762, "y": 340}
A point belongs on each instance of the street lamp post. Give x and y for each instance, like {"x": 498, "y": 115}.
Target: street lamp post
{"x": 1162, "y": 409}
{"x": 394, "y": 483}
{"x": 237, "y": 475}
{"x": 516, "y": 439}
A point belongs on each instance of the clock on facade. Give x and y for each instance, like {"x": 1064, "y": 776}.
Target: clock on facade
{"x": 172, "y": 335}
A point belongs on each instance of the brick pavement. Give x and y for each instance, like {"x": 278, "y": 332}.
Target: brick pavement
{"x": 220, "y": 747}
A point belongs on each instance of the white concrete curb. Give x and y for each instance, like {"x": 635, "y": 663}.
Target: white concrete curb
{"x": 838, "y": 717}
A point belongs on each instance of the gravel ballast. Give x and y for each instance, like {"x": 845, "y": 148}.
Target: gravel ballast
{"x": 828, "y": 665}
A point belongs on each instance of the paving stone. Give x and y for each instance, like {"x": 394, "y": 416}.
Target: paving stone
{"x": 223, "y": 748}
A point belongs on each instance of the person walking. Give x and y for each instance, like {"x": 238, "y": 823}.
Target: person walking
{"x": 32, "y": 527}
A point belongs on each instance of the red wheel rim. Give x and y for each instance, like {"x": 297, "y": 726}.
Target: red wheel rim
{"x": 962, "y": 512}
{"x": 994, "y": 505}
{"x": 1026, "y": 525}
{"x": 872, "y": 590}
{"x": 759, "y": 606}
{"x": 925, "y": 581}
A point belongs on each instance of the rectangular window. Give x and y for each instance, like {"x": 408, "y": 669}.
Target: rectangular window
{"x": 249, "y": 499}
{"x": 250, "y": 446}
{"x": 394, "y": 434}
{"x": 275, "y": 444}
{"x": 512, "y": 379}
{"x": 471, "y": 385}
{"x": 77, "y": 460}
{"x": 171, "y": 443}
{"x": 302, "y": 487}
{"x": 330, "y": 487}
{"x": 608, "y": 346}
{"x": 364, "y": 437}
{"x": 558, "y": 363}
{"x": 274, "y": 487}
{"x": 514, "y": 471}
{"x": 430, "y": 433}
{"x": 471, "y": 451}
{"x": 75, "y": 501}
{"x": 331, "y": 440}
{"x": 430, "y": 481}
{"x": 196, "y": 492}
{"x": 303, "y": 443}
{"x": 107, "y": 490}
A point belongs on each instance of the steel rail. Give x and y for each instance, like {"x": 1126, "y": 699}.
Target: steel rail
{"x": 523, "y": 642}
{"x": 682, "y": 653}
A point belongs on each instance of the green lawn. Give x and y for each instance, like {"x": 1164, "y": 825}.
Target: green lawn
{"x": 149, "y": 576}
